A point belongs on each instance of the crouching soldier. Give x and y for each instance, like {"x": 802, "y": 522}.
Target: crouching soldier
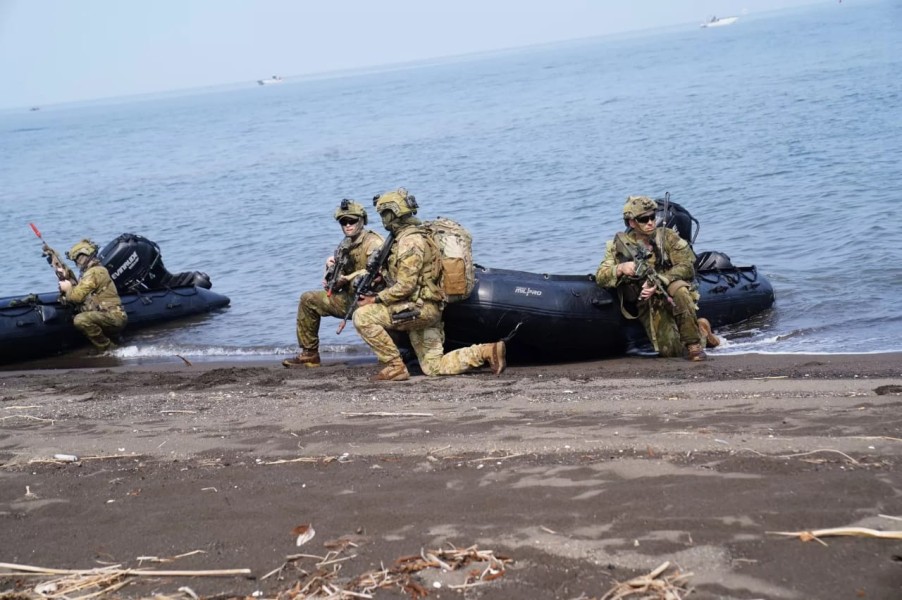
{"x": 413, "y": 301}
{"x": 335, "y": 298}
{"x": 100, "y": 313}
{"x": 653, "y": 271}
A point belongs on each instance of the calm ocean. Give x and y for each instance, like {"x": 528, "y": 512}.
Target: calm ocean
{"x": 782, "y": 134}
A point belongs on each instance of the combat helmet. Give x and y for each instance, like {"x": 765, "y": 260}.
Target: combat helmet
{"x": 399, "y": 202}
{"x": 637, "y": 206}
{"x": 85, "y": 247}
{"x": 349, "y": 208}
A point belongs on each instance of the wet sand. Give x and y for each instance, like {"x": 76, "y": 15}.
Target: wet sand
{"x": 584, "y": 475}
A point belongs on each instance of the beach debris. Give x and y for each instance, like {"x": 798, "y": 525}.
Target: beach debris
{"x": 799, "y": 454}
{"x": 816, "y": 534}
{"x": 65, "y": 457}
{"x": 387, "y": 414}
{"x": 189, "y": 592}
{"x": 169, "y": 559}
{"x": 654, "y": 585}
{"x": 88, "y": 583}
{"x": 484, "y": 566}
{"x": 304, "y": 533}
{"x": 185, "y": 360}
{"x": 27, "y": 417}
{"x": 301, "y": 459}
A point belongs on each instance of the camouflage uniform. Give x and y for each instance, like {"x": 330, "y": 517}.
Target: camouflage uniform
{"x": 316, "y": 304}
{"x": 412, "y": 274}
{"x": 669, "y": 327}
{"x": 101, "y": 315}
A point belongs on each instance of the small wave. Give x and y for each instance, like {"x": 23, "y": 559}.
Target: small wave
{"x": 170, "y": 350}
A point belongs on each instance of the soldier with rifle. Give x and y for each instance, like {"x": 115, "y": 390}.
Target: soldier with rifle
{"x": 336, "y": 298}
{"x": 100, "y": 314}
{"x": 412, "y": 300}
{"x": 653, "y": 270}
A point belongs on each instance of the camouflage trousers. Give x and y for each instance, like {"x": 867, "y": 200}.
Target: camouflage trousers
{"x": 672, "y": 327}
{"x": 427, "y": 336}
{"x": 100, "y": 326}
{"x": 312, "y": 307}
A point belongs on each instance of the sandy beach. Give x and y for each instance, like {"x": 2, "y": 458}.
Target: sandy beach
{"x": 567, "y": 479}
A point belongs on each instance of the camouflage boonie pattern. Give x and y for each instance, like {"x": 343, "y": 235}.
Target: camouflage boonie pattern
{"x": 670, "y": 328}
{"x": 427, "y": 336}
{"x": 315, "y": 305}
{"x": 413, "y": 271}
{"x": 101, "y": 314}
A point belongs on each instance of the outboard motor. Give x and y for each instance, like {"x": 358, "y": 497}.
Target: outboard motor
{"x": 677, "y": 218}
{"x": 135, "y": 265}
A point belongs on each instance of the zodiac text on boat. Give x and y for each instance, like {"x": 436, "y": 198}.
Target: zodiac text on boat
{"x": 527, "y": 291}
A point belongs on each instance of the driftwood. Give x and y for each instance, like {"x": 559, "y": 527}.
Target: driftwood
{"x": 816, "y": 534}
{"x": 654, "y": 585}
{"x": 387, "y": 414}
{"x": 118, "y": 571}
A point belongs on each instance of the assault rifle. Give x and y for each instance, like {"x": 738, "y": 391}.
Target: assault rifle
{"x": 62, "y": 270}
{"x": 646, "y": 272}
{"x": 365, "y": 284}
{"x": 342, "y": 257}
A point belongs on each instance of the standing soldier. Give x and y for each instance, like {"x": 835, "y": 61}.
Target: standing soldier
{"x": 653, "y": 270}
{"x": 334, "y": 300}
{"x": 100, "y": 313}
{"x": 413, "y": 301}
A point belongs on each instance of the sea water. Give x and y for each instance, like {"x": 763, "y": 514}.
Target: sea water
{"x": 780, "y": 134}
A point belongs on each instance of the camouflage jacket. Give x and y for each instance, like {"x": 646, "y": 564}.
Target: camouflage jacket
{"x": 672, "y": 258}
{"x": 361, "y": 249}
{"x": 95, "y": 290}
{"x": 413, "y": 269}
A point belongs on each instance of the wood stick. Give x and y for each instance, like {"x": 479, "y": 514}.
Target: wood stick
{"x": 139, "y": 572}
{"x": 387, "y": 414}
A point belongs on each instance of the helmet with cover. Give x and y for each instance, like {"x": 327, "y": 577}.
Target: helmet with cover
{"x": 399, "y": 202}
{"x": 83, "y": 248}
{"x": 636, "y": 206}
{"x": 349, "y": 208}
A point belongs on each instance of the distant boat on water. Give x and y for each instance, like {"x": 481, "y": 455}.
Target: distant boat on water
{"x": 715, "y": 22}
{"x": 270, "y": 81}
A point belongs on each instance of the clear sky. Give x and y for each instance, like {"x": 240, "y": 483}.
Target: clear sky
{"x": 64, "y": 50}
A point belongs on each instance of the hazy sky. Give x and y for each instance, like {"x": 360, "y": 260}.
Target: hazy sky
{"x": 62, "y": 50}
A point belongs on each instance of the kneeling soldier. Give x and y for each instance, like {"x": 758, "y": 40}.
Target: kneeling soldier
{"x": 413, "y": 300}
{"x": 334, "y": 300}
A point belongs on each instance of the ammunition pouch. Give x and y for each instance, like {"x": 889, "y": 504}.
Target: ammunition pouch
{"x": 404, "y": 312}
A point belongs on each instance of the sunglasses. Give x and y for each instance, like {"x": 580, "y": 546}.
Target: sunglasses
{"x": 348, "y": 221}
{"x": 645, "y": 219}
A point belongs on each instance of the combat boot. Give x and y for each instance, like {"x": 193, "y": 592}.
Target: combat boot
{"x": 395, "y": 370}
{"x": 495, "y": 355}
{"x": 704, "y": 328}
{"x": 307, "y": 358}
{"x": 695, "y": 353}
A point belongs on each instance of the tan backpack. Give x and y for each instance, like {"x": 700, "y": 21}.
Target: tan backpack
{"x": 456, "y": 247}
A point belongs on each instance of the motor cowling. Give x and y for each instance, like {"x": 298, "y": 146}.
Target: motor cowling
{"x": 135, "y": 264}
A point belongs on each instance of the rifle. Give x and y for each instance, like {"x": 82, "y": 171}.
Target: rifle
{"x": 646, "y": 272}
{"x": 342, "y": 257}
{"x": 363, "y": 285}
{"x": 62, "y": 270}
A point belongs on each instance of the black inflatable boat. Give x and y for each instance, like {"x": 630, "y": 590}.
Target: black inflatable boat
{"x": 39, "y": 325}
{"x": 564, "y": 317}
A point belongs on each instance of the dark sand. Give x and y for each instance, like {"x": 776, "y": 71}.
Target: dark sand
{"x": 583, "y": 474}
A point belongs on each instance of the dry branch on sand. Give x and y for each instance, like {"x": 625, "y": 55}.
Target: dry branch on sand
{"x": 653, "y": 586}
{"x": 323, "y": 582}
{"x": 91, "y": 583}
{"x": 816, "y": 534}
